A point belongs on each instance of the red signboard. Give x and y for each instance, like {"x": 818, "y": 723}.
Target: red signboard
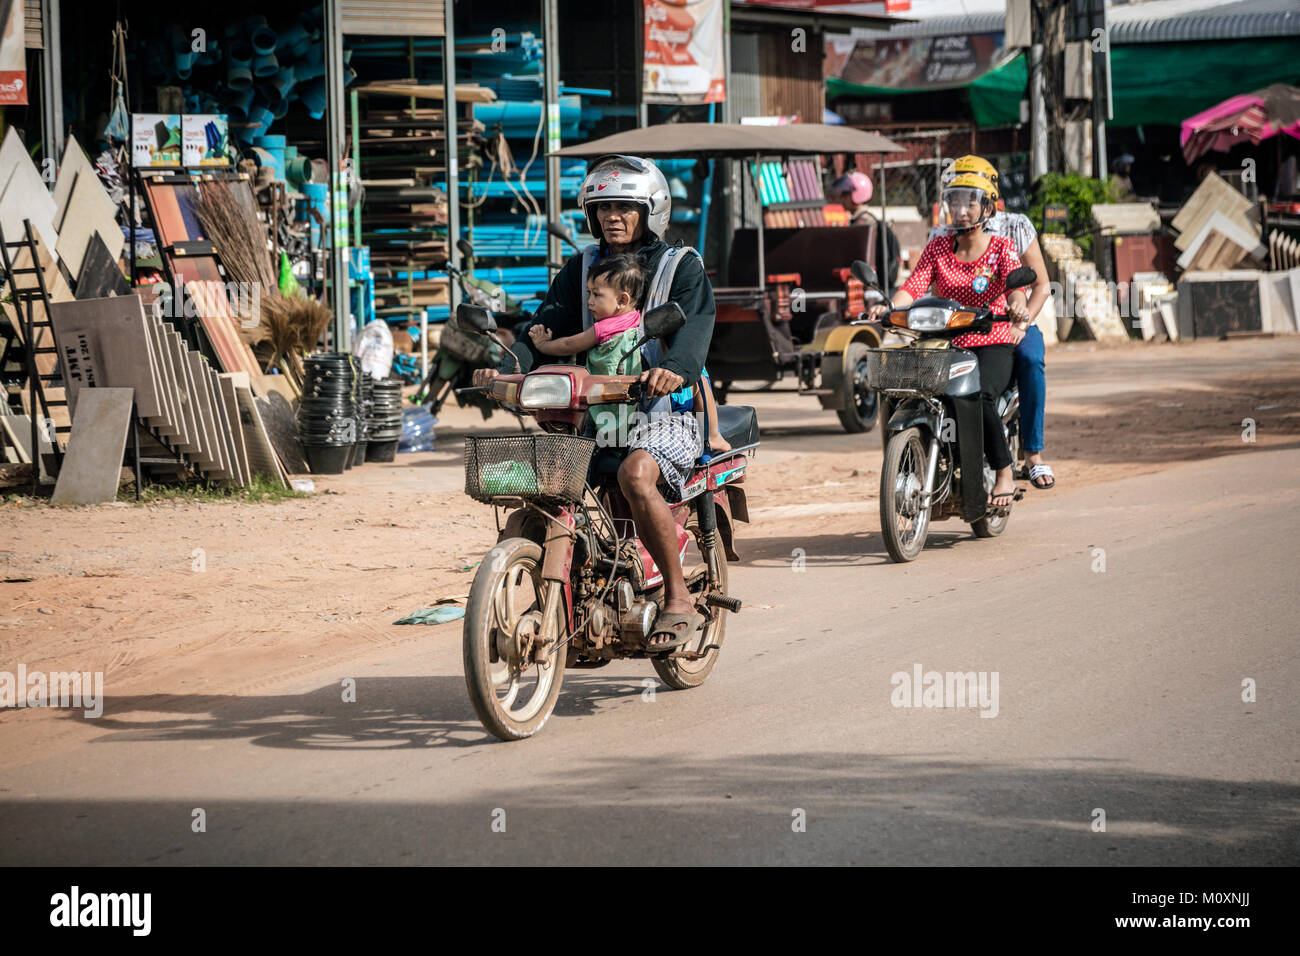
{"x": 684, "y": 52}
{"x": 13, "y": 59}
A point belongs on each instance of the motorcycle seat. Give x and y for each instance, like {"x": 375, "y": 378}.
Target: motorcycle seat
{"x": 738, "y": 424}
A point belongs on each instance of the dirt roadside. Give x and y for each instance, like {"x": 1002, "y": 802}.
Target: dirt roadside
{"x": 227, "y": 599}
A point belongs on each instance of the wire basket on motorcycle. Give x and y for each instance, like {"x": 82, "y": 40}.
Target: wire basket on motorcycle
{"x": 909, "y": 369}
{"x": 548, "y": 469}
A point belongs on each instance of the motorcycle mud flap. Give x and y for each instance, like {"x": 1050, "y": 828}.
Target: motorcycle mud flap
{"x": 970, "y": 434}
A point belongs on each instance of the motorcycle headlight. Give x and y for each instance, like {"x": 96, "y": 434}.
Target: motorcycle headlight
{"x": 546, "y": 391}
{"x": 927, "y": 319}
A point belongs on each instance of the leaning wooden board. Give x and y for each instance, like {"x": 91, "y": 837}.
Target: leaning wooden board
{"x": 106, "y": 343}
{"x": 231, "y": 402}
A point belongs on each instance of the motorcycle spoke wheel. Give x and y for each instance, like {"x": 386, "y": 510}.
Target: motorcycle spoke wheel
{"x": 678, "y": 672}
{"x": 512, "y": 694}
{"x": 904, "y": 523}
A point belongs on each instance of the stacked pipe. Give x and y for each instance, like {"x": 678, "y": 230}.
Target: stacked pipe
{"x": 262, "y": 68}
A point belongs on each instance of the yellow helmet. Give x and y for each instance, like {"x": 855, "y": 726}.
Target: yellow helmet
{"x": 964, "y": 190}
{"x": 973, "y": 164}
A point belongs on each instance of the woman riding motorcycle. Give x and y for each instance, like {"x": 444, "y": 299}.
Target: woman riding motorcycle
{"x": 627, "y": 205}
{"x": 971, "y": 267}
{"x": 1030, "y": 354}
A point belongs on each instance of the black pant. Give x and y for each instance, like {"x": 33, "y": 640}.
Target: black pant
{"x": 996, "y": 365}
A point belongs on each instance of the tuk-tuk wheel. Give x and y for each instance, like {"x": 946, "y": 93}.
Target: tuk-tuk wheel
{"x": 860, "y": 405}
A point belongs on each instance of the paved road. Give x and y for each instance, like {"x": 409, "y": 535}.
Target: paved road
{"x": 1117, "y": 690}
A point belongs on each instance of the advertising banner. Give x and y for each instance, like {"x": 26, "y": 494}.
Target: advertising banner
{"x": 13, "y": 54}
{"x": 155, "y": 139}
{"x": 684, "y": 52}
{"x": 205, "y": 139}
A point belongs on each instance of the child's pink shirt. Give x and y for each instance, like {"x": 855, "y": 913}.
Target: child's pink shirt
{"x": 606, "y": 329}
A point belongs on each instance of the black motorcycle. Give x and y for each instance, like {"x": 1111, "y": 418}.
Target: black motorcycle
{"x": 934, "y": 464}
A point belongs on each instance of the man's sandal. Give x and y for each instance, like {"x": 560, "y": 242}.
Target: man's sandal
{"x": 1042, "y": 471}
{"x": 679, "y": 625}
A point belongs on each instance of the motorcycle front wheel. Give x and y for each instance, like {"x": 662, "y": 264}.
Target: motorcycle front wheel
{"x": 512, "y": 700}
{"x": 903, "y": 522}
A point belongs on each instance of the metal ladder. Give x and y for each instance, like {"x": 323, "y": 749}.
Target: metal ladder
{"x": 25, "y": 297}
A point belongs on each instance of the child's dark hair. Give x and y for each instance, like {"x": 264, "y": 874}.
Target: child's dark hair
{"x": 622, "y": 272}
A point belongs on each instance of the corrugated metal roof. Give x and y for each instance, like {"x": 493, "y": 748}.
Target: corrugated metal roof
{"x": 1161, "y": 21}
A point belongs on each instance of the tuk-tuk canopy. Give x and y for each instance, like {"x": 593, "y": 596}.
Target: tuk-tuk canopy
{"x": 734, "y": 140}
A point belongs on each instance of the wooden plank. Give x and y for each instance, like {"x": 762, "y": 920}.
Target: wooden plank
{"x": 92, "y": 468}
{"x": 170, "y": 422}
{"x": 23, "y": 195}
{"x": 224, "y": 428}
{"x": 231, "y": 403}
{"x": 74, "y": 165}
{"x": 197, "y": 446}
{"x": 261, "y": 455}
{"x": 89, "y": 212}
{"x": 1211, "y": 196}
{"x": 104, "y": 343}
{"x": 465, "y": 92}
{"x": 205, "y": 414}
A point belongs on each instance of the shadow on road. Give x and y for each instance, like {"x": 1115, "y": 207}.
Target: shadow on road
{"x": 921, "y": 809}
{"x": 388, "y": 713}
{"x": 849, "y": 549}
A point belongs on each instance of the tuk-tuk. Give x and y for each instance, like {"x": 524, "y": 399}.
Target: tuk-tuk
{"x": 788, "y": 304}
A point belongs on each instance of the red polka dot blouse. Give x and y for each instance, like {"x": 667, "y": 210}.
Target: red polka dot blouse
{"x": 973, "y": 284}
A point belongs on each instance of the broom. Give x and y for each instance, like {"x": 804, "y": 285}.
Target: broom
{"x": 239, "y": 237}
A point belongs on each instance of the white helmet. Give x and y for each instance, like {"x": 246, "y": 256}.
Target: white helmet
{"x": 619, "y": 178}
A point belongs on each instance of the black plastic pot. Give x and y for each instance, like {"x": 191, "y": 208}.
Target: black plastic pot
{"x": 327, "y": 459}
{"x": 381, "y": 451}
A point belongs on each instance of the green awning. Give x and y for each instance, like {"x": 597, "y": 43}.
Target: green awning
{"x": 994, "y": 97}
{"x": 1164, "y": 83}
{"x": 1152, "y": 83}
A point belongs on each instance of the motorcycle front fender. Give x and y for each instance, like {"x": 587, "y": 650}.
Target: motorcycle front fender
{"x": 913, "y": 413}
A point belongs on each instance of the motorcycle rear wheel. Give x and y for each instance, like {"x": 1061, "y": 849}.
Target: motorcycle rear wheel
{"x": 903, "y": 523}
{"x": 681, "y": 674}
{"x": 994, "y": 526}
{"x": 507, "y": 589}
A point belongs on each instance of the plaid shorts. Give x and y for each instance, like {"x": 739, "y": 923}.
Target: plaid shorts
{"x": 674, "y": 442}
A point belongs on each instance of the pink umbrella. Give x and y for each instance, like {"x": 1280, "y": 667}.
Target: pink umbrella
{"x": 1250, "y": 116}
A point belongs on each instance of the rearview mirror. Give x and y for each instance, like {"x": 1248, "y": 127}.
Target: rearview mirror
{"x": 1021, "y": 277}
{"x": 863, "y": 273}
{"x": 465, "y": 248}
{"x": 662, "y": 320}
{"x": 561, "y": 232}
{"x": 475, "y": 317}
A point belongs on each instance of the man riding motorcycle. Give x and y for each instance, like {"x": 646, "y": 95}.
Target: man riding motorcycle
{"x": 627, "y": 205}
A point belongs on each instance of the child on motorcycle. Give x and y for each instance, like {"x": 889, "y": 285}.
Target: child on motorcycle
{"x": 614, "y": 284}
{"x": 971, "y": 267}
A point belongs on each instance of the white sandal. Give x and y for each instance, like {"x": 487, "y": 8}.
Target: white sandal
{"x": 1042, "y": 471}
